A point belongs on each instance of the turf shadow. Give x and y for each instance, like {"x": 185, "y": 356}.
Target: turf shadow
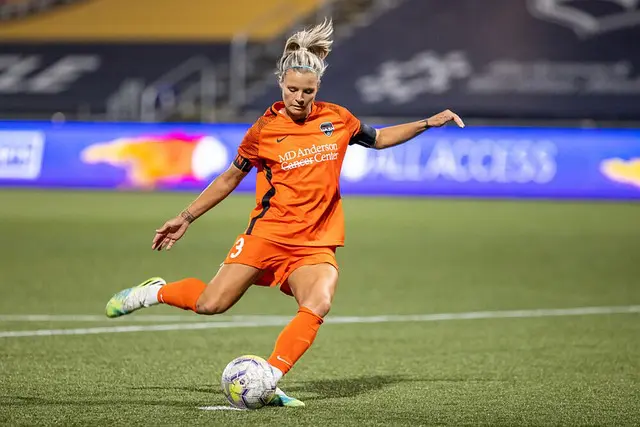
{"x": 318, "y": 389}
{"x": 343, "y": 387}
{"x": 352, "y": 387}
{"x": 329, "y": 388}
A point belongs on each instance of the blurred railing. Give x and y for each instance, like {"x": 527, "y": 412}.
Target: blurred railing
{"x": 195, "y": 88}
{"x": 162, "y": 97}
{"x": 189, "y": 89}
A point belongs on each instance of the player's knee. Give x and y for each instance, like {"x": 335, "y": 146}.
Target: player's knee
{"x": 319, "y": 305}
{"x": 323, "y": 308}
{"x": 211, "y": 307}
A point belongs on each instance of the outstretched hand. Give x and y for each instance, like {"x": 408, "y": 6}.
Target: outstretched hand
{"x": 443, "y": 118}
{"x": 170, "y": 233}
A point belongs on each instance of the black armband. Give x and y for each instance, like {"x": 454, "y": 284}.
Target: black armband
{"x": 242, "y": 163}
{"x": 365, "y": 137}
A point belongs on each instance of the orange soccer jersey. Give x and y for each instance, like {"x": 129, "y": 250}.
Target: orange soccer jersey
{"x": 298, "y": 190}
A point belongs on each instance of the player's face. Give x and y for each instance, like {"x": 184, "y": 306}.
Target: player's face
{"x": 298, "y": 92}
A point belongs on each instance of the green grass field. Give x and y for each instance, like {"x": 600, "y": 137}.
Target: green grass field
{"x": 66, "y": 253}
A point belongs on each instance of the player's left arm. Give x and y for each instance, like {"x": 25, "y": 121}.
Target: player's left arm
{"x": 395, "y": 135}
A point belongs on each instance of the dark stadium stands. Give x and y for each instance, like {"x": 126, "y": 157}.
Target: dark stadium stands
{"x": 490, "y": 59}
{"x": 154, "y": 20}
{"x": 495, "y": 59}
{"x": 121, "y": 59}
{"x": 16, "y": 10}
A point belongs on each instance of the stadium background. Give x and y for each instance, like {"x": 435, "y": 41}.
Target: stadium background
{"x": 115, "y": 113}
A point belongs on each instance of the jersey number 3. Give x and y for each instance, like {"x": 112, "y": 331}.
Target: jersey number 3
{"x": 238, "y": 248}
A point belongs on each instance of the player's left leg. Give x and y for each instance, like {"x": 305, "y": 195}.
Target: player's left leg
{"x": 244, "y": 263}
{"x": 313, "y": 286}
{"x": 222, "y": 292}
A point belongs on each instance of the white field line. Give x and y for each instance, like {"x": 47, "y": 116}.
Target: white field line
{"x": 259, "y": 321}
{"x": 70, "y": 318}
{"x": 220, "y": 408}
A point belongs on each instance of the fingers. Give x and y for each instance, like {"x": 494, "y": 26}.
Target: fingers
{"x": 164, "y": 229}
{"x": 458, "y": 120}
{"x": 157, "y": 240}
{"x": 170, "y": 244}
{"x": 163, "y": 242}
{"x": 161, "y": 234}
{"x": 166, "y": 243}
{"x": 167, "y": 235}
{"x": 446, "y": 117}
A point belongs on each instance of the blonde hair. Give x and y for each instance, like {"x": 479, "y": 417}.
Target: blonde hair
{"x": 307, "y": 49}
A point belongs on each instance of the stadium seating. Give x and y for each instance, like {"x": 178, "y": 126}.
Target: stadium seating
{"x": 515, "y": 59}
{"x": 108, "y": 52}
{"x": 16, "y": 10}
{"x": 396, "y": 58}
{"x": 155, "y": 20}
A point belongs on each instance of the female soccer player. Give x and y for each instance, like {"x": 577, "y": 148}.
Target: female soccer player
{"x": 297, "y": 146}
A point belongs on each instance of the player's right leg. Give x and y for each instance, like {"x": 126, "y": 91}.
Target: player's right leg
{"x": 224, "y": 290}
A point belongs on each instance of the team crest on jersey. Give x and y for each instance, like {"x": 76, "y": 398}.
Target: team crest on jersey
{"x": 327, "y": 128}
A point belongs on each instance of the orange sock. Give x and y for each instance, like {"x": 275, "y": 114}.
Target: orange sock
{"x": 182, "y": 294}
{"x": 295, "y": 339}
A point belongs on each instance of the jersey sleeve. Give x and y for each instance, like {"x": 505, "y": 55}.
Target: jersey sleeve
{"x": 351, "y": 122}
{"x": 247, "y": 156}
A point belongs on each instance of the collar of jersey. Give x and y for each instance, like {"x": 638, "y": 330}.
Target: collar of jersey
{"x": 277, "y": 106}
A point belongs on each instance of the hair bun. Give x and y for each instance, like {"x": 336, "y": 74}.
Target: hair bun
{"x": 307, "y": 49}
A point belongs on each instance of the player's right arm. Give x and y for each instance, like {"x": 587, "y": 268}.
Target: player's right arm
{"x": 217, "y": 191}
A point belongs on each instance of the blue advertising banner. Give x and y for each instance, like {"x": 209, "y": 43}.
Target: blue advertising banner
{"x": 474, "y": 162}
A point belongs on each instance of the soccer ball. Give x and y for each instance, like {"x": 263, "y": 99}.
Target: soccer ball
{"x": 248, "y": 382}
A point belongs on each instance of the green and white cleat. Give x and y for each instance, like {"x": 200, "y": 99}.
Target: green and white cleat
{"x": 281, "y": 399}
{"x": 131, "y": 299}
